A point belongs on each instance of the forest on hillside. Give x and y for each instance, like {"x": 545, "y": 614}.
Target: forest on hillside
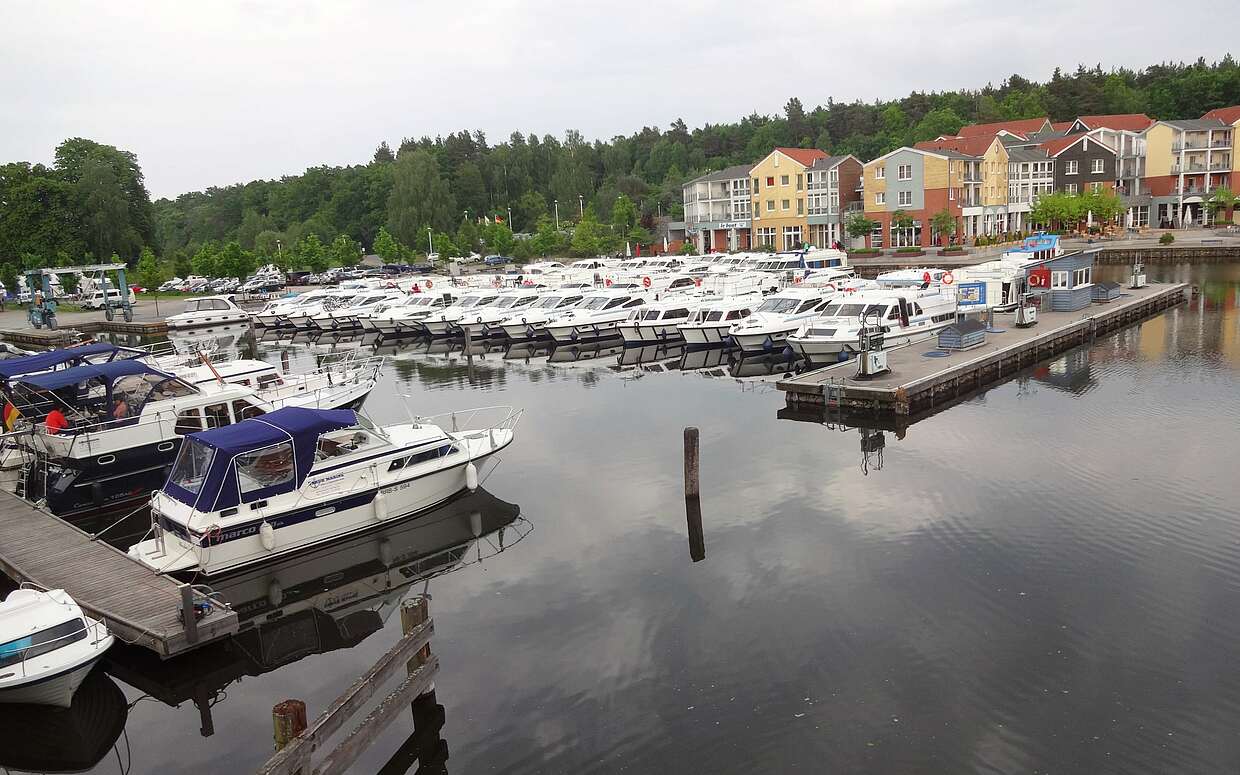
{"x": 92, "y": 201}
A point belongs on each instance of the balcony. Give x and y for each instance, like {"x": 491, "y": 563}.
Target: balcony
{"x": 1187, "y": 169}
{"x": 1220, "y": 166}
{"x": 1217, "y": 143}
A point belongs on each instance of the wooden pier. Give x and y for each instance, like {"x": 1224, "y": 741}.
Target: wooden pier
{"x": 139, "y": 606}
{"x": 918, "y": 383}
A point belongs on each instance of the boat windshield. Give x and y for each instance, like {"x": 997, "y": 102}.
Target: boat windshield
{"x": 714, "y": 315}
{"x": 779, "y": 305}
{"x": 193, "y": 462}
{"x": 505, "y": 302}
{"x": 549, "y": 302}
{"x": 596, "y": 302}
{"x": 41, "y": 642}
{"x": 851, "y": 310}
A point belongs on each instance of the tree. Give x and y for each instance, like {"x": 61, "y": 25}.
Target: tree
{"x": 858, "y": 226}
{"x": 419, "y": 198}
{"x": 386, "y": 247}
{"x": 624, "y": 214}
{"x": 344, "y": 251}
{"x": 546, "y": 239}
{"x": 150, "y": 272}
{"x": 1222, "y": 198}
{"x": 105, "y": 212}
{"x": 467, "y": 236}
{"x": 8, "y": 276}
{"x": 944, "y": 224}
{"x": 498, "y": 238}
{"x": 204, "y": 261}
{"x": 310, "y": 253}
{"x": 383, "y": 154}
{"x": 687, "y": 248}
{"x": 1105, "y": 205}
{"x": 234, "y": 261}
{"x": 531, "y": 206}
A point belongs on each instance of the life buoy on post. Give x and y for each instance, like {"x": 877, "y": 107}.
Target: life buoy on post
{"x": 607, "y": 282}
{"x": 947, "y": 278}
{"x": 646, "y": 281}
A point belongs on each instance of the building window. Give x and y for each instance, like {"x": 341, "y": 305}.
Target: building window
{"x": 800, "y": 206}
{"x": 905, "y": 172}
{"x": 906, "y": 237}
{"x": 834, "y": 176}
{"x": 1059, "y": 279}
{"x": 1141, "y": 215}
{"x": 1071, "y": 166}
{"x": 1095, "y": 187}
{"x": 1070, "y": 188}
{"x": 770, "y": 205}
{"x": 1096, "y": 166}
{"x": 799, "y": 181}
{"x": 880, "y": 173}
{"x": 951, "y": 194}
{"x": 792, "y": 237}
{"x": 766, "y": 236}
{"x": 755, "y": 185}
{"x": 880, "y": 198}
{"x": 835, "y": 199}
{"x": 783, "y": 180}
{"x": 784, "y": 204}
{"x": 876, "y": 236}
{"x": 1080, "y": 277}
{"x": 770, "y": 181}
{"x": 904, "y": 198}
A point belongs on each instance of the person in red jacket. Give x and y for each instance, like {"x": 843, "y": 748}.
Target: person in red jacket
{"x": 56, "y": 421}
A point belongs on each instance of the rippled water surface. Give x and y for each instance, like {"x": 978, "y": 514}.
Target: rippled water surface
{"x": 1043, "y": 578}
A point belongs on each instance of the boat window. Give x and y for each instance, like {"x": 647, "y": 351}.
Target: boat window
{"x": 734, "y": 315}
{"x": 189, "y": 421}
{"x": 422, "y": 457}
{"x": 808, "y": 305}
{"x": 191, "y": 305}
{"x": 193, "y": 462}
{"x": 268, "y": 380}
{"x": 676, "y": 314}
{"x": 266, "y": 467}
{"x": 830, "y": 310}
{"x": 219, "y": 304}
{"x": 778, "y": 305}
{"x": 683, "y": 282}
{"x": 526, "y": 300}
{"x": 217, "y": 415}
{"x": 41, "y": 642}
{"x": 916, "y": 308}
{"x": 715, "y": 315}
{"x": 613, "y": 303}
{"x": 635, "y": 303}
{"x": 244, "y": 410}
{"x": 893, "y": 313}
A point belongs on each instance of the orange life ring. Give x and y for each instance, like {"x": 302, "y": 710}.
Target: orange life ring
{"x": 646, "y": 281}
{"x": 430, "y": 283}
{"x": 697, "y": 281}
{"x": 607, "y": 282}
{"x": 947, "y": 278}
{"x": 797, "y": 280}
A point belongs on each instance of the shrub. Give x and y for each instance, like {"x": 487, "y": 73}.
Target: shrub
{"x": 1166, "y": 239}
{"x": 908, "y": 250}
{"x": 863, "y": 251}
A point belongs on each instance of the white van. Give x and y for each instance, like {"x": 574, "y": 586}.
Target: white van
{"x": 96, "y": 299}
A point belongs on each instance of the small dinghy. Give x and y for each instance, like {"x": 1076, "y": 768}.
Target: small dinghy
{"x": 47, "y": 647}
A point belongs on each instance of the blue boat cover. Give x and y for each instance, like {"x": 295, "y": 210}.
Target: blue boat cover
{"x": 108, "y": 371}
{"x": 33, "y": 364}
{"x": 220, "y": 489}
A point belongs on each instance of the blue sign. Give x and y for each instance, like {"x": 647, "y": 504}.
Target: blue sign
{"x": 971, "y": 295}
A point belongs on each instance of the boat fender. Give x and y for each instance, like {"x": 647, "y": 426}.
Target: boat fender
{"x": 471, "y": 476}
{"x": 385, "y": 552}
{"x": 381, "y": 509}
{"x": 275, "y": 593}
{"x": 475, "y": 523}
{"x": 267, "y": 534}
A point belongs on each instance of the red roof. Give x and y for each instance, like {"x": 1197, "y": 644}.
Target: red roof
{"x": 1132, "y": 122}
{"x": 1020, "y": 127}
{"x": 972, "y": 146}
{"x": 805, "y": 156}
{"x": 1053, "y": 147}
{"x": 1060, "y": 126}
{"x": 1226, "y": 115}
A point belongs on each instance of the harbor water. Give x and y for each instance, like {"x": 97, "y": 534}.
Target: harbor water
{"x": 1041, "y": 578}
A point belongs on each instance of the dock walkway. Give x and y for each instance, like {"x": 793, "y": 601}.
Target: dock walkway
{"x": 917, "y": 382}
{"x": 138, "y": 605}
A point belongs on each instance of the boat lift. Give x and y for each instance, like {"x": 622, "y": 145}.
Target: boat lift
{"x": 42, "y": 310}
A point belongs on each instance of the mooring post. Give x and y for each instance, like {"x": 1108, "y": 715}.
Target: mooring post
{"x": 288, "y": 720}
{"x": 693, "y": 518}
{"x": 188, "y": 616}
{"x": 691, "y": 462}
{"x": 413, "y": 614}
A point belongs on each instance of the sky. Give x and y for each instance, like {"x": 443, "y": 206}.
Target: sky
{"x": 211, "y": 94}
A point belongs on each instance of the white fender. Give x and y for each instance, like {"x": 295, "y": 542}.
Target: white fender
{"x": 267, "y": 534}
{"x": 475, "y": 523}
{"x": 471, "y": 476}
{"x": 385, "y": 553}
{"x": 275, "y": 593}
{"x": 381, "y": 509}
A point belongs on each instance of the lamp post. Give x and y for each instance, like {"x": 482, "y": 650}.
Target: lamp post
{"x": 430, "y": 242}
{"x": 556, "y": 202}
{"x": 509, "y": 217}
{"x": 581, "y": 207}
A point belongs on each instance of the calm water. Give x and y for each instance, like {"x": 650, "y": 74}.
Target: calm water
{"x": 1043, "y": 578}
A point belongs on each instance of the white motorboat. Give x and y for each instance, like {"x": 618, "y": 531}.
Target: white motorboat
{"x": 779, "y": 315}
{"x": 209, "y": 311}
{"x": 316, "y": 303}
{"x": 920, "y": 277}
{"x": 348, "y": 315}
{"x": 659, "y": 321}
{"x": 298, "y": 478}
{"x": 485, "y": 321}
{"x": 531, "y": 322}
{"x": 404, "y": 316}
{"x": 441, "y": 323}
{"x": 599, "y": 314}
{"x": 710, "y": 323}
{"x": 906, "y": 315}
{"x": 47, "y": 646}
{"x": 272, "y": 315}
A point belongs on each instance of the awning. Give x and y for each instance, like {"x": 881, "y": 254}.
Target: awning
{"x": 33, "y": 364}
{"x": 108, "y": 372}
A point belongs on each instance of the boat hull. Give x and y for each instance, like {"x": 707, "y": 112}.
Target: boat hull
{"x": 656, "y": 334}
{"x": 56, "y": 690}
{"x": 222, "y": 319}
{"x": 761, "y": 341}
{"x": 706, "y": 335}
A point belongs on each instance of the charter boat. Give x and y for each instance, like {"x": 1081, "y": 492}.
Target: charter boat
{"x": 441, "y": 322}
{"x": 272, "y": 315}
{"x": 920, "y": 277}
{"x": 122, "y": 422}
{"x": 297, "y": 478}
{"x": 209, "y": 311}
{"x": 599, "y": 314}
{"x": 659, "y": 321}
{"x": 47, "y": 646}
{"x": 531, "y": 322}
{"x": 348, "y": 316}
{"x": 777, "y": 316}
{"x": 709, "y": 324}
{"x": 486, "y": 321}
{"x": 405, "y": 316}
{"x": 302, "y": 316}
{"x": 906, "y": 315}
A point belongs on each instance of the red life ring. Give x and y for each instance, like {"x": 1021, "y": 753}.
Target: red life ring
{"x": 1035, "y": 280}
{"x": 607, "y": 282}
{"x": 797, "y": 280}
{"x": 211, "y": 535}
{"x": 947, "y": 278}
{"x": 430, "y": 283}
{"x": 646, "y": 281}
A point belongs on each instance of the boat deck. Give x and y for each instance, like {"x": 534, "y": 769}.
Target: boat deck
{"x": 916, "y": 382}
{"x": 138, "y": 605}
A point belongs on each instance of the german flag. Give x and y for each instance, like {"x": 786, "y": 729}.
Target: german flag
{"x": 10, "y": 415}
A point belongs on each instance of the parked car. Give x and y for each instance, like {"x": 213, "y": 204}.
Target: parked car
{"x": 497, "y": 260}
{"x": 422, "y": 268}
{"x": 137, "y": 289}
{"x": 171, "y": 285}
{"x": 298, "y": 278}
{"x": 96, "y": 299}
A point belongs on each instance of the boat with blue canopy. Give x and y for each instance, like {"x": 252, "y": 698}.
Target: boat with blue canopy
{"x": 296, "y": 478}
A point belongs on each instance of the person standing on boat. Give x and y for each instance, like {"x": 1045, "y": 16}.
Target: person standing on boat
{"x": 55, "y": 421}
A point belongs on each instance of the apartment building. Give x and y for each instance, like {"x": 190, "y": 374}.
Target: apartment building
{"x": 920, "y": 182}
{"x": 1185, "y": 160}
{"x": 984, "y": 210}
{"x": 1083, "y": 164}
{"x": 1031, "y": 173}
{"x": 780, "y": 197}
{"x": 718, "y": 210}
{"x": 831, "y": 185}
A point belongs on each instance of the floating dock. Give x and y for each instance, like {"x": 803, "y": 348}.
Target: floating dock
{"x": 917, "y": 383}
{"x": 72, "y": 333}
{"x": 139, "y": 606}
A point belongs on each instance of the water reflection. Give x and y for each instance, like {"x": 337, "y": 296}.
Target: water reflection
{"x": 41, "y": 738}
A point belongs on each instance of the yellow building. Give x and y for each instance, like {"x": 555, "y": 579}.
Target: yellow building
{"x": 778, "y": 190}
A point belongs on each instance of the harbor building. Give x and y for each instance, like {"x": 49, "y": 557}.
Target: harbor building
{"x": 1185, "y": 160}
{"x": 717, "y": 210}
{"x": 780, "y": 213}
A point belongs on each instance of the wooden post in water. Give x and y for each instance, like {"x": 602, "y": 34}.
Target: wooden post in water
{"x": 413, "y": 613}
{"x": 693, "y": 503}
{"x": 691, "y": 462}
{"x": 288, "y": 720}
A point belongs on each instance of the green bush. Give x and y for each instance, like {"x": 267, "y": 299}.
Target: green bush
{"x": 1166, "y": 239}
{"x": 908, "y": 250}
{"x": 863, "y": 251}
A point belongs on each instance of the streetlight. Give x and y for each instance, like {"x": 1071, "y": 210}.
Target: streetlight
{"x": 509, "y": 217}
{"x": 556, "y": 202}
{"x": 430, "y": 241}
{"x": 581, "y": 208}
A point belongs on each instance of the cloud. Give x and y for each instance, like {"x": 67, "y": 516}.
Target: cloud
{"x": 213, "y": 95}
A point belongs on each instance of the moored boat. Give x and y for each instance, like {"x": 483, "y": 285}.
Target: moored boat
{"x": 47, "y": 646}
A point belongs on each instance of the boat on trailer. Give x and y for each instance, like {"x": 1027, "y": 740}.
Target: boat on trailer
{"x": 47, "y": 646}
{"x": 299, "y": 478}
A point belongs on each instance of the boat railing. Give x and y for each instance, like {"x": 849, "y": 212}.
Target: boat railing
{"x": 472, "y": 423}
{"x": 94, "y": 630}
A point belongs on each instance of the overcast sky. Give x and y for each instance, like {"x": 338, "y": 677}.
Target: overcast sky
{"x": 216, "y": 93}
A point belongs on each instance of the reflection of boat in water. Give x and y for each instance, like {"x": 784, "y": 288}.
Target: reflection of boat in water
{"x": 590, "y": 351}
{"x": 529, "y": 350}
{"x": 762, "y": 365}
{"x": 39, "y": 738}
{"x": 225, "y": 339}
{"x": 653, "y": 357}
{"x": 324, "y": 600}
{"x": 707, "y": 358}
